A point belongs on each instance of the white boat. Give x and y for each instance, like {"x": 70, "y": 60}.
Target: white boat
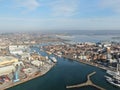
{"x": 59, "y": 55}
{"x": 53, "y": 59}
{"x": 112, "y": 73}
{"x": 113, "y": 81}
{"x": 113, "y": 77}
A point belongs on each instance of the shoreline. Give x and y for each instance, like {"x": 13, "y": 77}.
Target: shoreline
{"x": 89, "y": 63}
{"x": 84, "y": 62}
{"x": 81, "y": 61}
{"x": 27, "y": 79}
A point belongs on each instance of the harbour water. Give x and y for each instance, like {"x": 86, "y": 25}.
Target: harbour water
{"x": 66, "y": 72}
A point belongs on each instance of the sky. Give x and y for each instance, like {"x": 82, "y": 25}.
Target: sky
{"x": 30, "y": 15}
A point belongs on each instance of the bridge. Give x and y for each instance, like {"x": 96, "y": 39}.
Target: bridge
{"x": 87, "y": 83}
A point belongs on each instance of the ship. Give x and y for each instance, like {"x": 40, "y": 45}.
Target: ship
{"x": 53, "y": 59}
{"x": 113, "y": 77}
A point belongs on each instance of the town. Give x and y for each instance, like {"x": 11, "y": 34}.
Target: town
{"x": 104, "y": 54}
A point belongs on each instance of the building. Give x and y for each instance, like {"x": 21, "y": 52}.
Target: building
{"x": 36, "y": 56}
{"x": 6, "y": 70}
{"x": 37, "y": 63}
{"x": 17, "y": 49}
{"x": 7, "y": 60}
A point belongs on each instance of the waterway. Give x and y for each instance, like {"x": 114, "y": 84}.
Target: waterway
{"x": 66, "y": 72}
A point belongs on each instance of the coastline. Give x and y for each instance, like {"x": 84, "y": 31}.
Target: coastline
{"x": 89, "y": 63}
{"x": 27, "y": 79}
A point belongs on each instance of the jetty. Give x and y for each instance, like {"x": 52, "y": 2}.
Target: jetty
{"x": 87, "y": 83}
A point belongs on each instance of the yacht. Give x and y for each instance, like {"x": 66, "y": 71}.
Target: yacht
{"x": 53, "y": 59}
{"x": 113, "y": 77}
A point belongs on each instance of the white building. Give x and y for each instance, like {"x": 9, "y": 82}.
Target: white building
{"x": 6, "y": 70}
{"x": 18, "y": 49}
{"x": 37, "y": 63}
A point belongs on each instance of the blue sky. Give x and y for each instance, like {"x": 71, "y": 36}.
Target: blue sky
{"x": 28, "y": 15}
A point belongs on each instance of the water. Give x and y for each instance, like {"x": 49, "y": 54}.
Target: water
{"x": 66, "y": 72}
{"x": 91, "y": 35}
{"x": 89, "y": 38}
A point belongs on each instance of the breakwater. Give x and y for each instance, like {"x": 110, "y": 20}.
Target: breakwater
{"x": 87, "y": 83}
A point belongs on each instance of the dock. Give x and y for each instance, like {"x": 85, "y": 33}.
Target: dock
{"x": 38, "y": 74}
{"x": 87, "y": 83}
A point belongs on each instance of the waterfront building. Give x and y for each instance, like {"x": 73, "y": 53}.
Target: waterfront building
{"x": 7, "y": 60}
{"x": 37, "y": 63}
{"x": 36, "y": 56}
{"x": 6, "y": 70}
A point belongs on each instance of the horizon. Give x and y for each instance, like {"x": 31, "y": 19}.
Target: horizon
{"x": 49, "y": 15}
{"x": 75, "y": 32}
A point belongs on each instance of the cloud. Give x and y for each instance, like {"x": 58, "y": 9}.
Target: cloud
{"x": 114, "y": 5}
{"x": 27, "y": 4}
{"x": 64, "y": 7}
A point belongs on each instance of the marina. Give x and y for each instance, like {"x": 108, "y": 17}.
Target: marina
{"x": 113, "y": 77}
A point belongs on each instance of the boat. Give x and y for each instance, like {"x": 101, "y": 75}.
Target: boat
{"x": 114, "y": 81}
{"x": 112, "y": 73}
{"x": 57, "y": 54}
{"x": 53, "y": 59}
{"x": 113, "y": 77}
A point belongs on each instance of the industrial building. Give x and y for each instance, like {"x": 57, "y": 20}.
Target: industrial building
{"x": 6, "y": 70}
{"x": 17, "y": 49}
{"x": 37, "y": 63}
{"x": 7, "y": 60}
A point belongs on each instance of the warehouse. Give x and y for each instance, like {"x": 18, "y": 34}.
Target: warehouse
{"x": 6, "y": 70}
{"x": 7, "y": 60}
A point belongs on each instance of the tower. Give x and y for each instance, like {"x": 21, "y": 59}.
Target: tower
{"x": 16, "y": 74}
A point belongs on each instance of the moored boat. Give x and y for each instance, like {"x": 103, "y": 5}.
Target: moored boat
{"x": 53, "y": 59}
{"x": 113, "y": 77}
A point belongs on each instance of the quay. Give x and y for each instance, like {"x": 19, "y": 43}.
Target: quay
{"x": 38, "y": 74}
{"x": 90, "y": 63}
{"x": 87, "y": 83}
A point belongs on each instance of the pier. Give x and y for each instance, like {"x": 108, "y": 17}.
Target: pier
{"x": 87, "y": 83}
